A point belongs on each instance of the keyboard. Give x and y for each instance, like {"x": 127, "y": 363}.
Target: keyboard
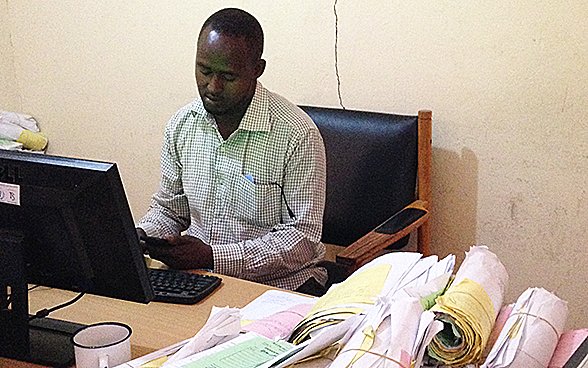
{"x": 181, "y": 287}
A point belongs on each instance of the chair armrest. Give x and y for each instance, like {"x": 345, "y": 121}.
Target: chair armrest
{"x": 395, "y": 228}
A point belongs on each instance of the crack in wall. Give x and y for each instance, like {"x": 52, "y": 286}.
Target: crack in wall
{"x": 337, "y": 54}
{"x": 12, "y": 57}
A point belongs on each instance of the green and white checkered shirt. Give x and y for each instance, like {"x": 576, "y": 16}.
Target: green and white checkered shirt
{"x": 234, "y": 195}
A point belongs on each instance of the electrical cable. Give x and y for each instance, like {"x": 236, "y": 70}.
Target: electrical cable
{"x": 45, "y": 312}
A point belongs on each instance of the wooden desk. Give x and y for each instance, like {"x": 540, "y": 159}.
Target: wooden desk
{"x": 154, "y": 325}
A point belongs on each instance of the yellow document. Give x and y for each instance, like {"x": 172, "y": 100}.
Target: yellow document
{"x": 469, "y": 309}
{"x": 367, "y": 343}
{"x": 356, "y": 289}
{"x": 334, "y": 307}
{"x": 155, "y": 363}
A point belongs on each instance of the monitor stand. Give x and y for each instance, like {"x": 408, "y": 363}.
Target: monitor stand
{"x": 44, "y": 341}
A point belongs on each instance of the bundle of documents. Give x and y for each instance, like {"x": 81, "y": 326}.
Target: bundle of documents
{"x": 468, "y": 309}
{"x": 387, "y": 335}
{"x": 348, "y": 298}
{"x": 399, "y": 311}
{"x": 388, "y": 332}
{"x": 531, "y": 332}
{"x": 392, "y": 276}
{"x": 411, "y": 275}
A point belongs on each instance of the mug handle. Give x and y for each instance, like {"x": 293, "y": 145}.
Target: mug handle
{"x": 103, "y": 361}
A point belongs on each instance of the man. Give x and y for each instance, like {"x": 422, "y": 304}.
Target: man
{"x": 243, "y": 171}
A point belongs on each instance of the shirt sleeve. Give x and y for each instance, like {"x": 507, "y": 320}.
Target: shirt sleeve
{"x": 169, "y": 212}
{"x": 293, "y": 245}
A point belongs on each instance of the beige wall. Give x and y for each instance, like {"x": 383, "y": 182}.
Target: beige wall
{"x": 507, "y": 83}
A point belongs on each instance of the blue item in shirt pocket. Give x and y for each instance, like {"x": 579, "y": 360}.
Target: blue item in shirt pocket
{"x": 256, "y": 203}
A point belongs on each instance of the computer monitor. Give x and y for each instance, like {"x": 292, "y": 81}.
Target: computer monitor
{"x": 64, "y": 223}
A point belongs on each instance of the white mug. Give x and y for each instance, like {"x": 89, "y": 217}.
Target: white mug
{"x": 102, "y": 345}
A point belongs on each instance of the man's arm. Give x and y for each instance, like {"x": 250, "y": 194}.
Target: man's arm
{"x": 169, "y": 212}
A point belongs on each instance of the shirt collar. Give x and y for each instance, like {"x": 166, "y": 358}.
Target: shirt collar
{"x": 257, "y": 116}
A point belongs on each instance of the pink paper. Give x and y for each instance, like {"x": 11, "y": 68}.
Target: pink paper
{"x": 405, "y": 358}
{"x": 281, "y": 324}
{"x": 498, "y": 325}
{"x": 567, "y": 345}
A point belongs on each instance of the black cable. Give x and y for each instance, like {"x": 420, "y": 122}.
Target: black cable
{"x": 290, "y": 212}
{"x": 45, "y": 312}
{"x": 250, "y": 177}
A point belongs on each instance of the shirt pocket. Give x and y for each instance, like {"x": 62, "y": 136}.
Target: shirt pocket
{"x": 256, "y": 203}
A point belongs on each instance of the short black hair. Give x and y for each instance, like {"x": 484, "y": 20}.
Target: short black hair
{"x": 238, "y": 23}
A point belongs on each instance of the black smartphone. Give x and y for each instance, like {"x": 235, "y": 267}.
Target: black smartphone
{"x": 158, "y": 242}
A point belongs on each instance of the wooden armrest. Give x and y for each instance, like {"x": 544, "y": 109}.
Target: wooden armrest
{"x": 395, "y": 228}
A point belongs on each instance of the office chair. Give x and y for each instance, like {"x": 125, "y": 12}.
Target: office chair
{"x": 378, "y": 183}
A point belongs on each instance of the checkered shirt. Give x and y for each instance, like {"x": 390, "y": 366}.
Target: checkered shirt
{"x": 234, "y": 195}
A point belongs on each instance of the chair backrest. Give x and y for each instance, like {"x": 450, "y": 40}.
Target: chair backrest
{"x": 372, "y": 161}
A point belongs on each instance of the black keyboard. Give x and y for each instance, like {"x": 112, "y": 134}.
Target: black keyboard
{"x": 181, "y": 287}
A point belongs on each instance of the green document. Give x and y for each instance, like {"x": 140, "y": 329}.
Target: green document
{"x": 248, "y": 354}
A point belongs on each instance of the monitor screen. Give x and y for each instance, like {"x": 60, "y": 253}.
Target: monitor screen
{"x": 66, "y": 223}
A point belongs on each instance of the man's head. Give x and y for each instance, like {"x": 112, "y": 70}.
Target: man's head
{"x": 228, "y": 61}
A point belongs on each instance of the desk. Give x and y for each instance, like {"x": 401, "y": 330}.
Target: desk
{"x": 154, "y": 325}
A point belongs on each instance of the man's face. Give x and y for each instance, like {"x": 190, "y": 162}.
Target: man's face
{"x": 226, "y": 73}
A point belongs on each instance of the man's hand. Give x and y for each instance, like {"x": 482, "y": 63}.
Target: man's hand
{"x": 182, "y": 253}
{"x": 142, "y": 236}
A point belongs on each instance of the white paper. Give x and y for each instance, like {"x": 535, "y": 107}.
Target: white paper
{"x": 222, "y": 325}
{"x": 531, "y": 332}
{"x": 340, "y": 332}
{"x": 273, "y": 301}
{"x": 395, "y": 323}
{"x": 483, "y": 267}
{"x": 428, "y": 328}
{"x": 22, "y": 120}
{"x": 178, "y": 363}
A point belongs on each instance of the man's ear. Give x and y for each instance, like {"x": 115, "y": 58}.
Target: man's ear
{"x": 260, "y": 68}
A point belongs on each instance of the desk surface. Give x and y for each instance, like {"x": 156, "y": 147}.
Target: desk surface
{"x": 154, "y": 325}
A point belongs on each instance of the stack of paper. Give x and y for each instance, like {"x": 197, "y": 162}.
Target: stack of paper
{"x": 393, "y": 276}
{"x": 386, "y": 336}
{"x": 322, "y": 342}
{"x": 531, "y": 332}
{"x": 388, "y": 333}
{"x": 469, "y": 308}
{"x": 411, "y": 275}
{"x": 350, "y": 297}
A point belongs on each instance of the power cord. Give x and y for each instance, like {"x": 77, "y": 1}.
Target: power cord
{"x": 45, "y": 312}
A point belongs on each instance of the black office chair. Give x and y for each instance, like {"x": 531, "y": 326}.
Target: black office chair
{"x": 378, "y": 183}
